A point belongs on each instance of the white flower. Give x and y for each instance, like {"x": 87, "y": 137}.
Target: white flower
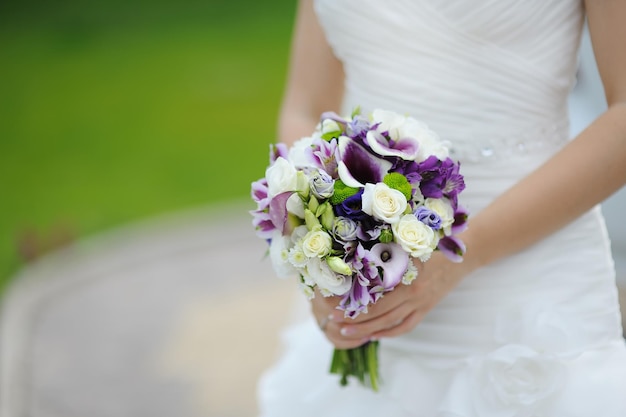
{"x": 308, "y": 291}
{"x": 279, "y": 255}
{"x": 410, "y": 274}
{"x": 414, "y": 236}
{"x": 328, "y": 282}
{"x": 299, "y": 154}
{"x": 281, "y": 176}
{"x": 297, "y": 257}
{"x": 317, "y": 243}
{"x": 383, "y": 203}
{"x": 444, "y": 210}
{"x": 329, "y": 126}
{"x": 515, "y": 380}
{"x": 295, "y": 205}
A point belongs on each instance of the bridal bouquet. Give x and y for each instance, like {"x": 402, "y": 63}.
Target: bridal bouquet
{"x": 348, "y": 208}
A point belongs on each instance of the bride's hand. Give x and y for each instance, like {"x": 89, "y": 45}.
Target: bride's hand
{"x": 396, "y": 313}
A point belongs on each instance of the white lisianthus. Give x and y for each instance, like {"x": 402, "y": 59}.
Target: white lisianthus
{"x": 317, "y": 243}
{"x": 282, "y": 176}
{"x": 415, "y": 237}
{"x": 295, "y": 205}
{"x": 279, "y": 255}
{"x": 329, "y": 126}
{"x": 443, "y": 208}
{"x": 298, "y": 154}
{"x": 383, "y": 203}
{"x": 328, "y": 282}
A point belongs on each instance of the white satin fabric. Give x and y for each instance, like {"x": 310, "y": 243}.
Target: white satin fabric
{"x": 535, "y": 334}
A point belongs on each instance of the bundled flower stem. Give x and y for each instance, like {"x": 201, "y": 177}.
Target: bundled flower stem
{"x": 350, "y": 208}
{"x": 360, "y": 362}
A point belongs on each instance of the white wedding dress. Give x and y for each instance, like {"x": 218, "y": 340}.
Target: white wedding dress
{"x": 536, "y": 334}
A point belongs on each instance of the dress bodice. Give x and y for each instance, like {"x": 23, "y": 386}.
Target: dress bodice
{"x": 491, "y": 76}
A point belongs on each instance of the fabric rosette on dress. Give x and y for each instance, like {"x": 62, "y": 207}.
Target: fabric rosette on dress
{"x": 348, "y": 208}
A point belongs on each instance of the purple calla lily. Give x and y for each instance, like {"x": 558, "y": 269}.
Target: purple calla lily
{"x": 278, "y": 211}
{"x": 461, "y": 216}
{"x": 405, "y": 148}
{"x": 393, "y": 260}
{"x": 358, "y": 166}
{"x": 452, "y": 247}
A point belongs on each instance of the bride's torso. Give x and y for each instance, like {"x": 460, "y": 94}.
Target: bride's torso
{"x": 492, "y": 77}
{"x": 488, "y": 75}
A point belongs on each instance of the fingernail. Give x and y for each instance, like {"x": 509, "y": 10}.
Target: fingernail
{"x": 346, "y": 331}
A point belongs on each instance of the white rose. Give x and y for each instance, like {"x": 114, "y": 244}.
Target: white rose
{"x": 279, "y": 255}
{"x": 328, "y": 282}
{"x": 515, "y": 380}
{"x": 414, "y": 237}
{"x": 383, "y": 203}
{"x": 444, "y": 209}
{"x": 317, "y": 243}
{"x": 299, "y": 153}
{"x": 281, "y": 176}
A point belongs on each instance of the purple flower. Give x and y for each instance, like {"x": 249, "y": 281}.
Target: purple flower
{"x": 357, "y": 166}
{"x": 452, "y": 247}
{"x": 441, "y": 179}
{"x": 278, "y": 150}
{"x": 358, "y": 127}
{"x": 351, "y": 207}
{"x": 428, "y": 217}
{"x": 325, "y": 154}
{"x": 366, "y": 274}
{"x": 356, "y": 300}
{"x": 460, "y": 220}
{"x": 393, "y": 260}
{"x": 405, "y": 148}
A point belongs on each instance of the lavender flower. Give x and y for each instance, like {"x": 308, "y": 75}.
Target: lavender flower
{"x": 322, "y": 184}
{"x": 428, "y": 217}
{"x": 344, "y": 229}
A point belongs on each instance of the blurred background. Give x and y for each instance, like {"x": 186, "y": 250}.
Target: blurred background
{"x": 129, "y": 134}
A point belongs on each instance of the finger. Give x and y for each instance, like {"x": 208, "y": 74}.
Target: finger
{"x": 369, "y": 328}
{"x": 405, "y": 326}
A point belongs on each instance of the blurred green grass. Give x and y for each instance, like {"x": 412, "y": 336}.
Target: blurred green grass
{"x": 115, "y": 111}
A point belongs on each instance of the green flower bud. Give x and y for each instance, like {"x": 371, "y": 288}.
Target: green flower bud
{"x": 313, "y": 205}
{"x": 311, "y": 220}
{"x": 386, "y": 236}
{"x": 338, "y": 265}
{"x": 327, "y": 216}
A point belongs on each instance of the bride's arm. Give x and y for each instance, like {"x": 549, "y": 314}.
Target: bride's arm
{"x": 314, "y": 81}
{"x": 584, "y": 173}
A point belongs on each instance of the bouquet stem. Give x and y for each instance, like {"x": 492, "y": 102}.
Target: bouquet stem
{"x": 360, "y": 362}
